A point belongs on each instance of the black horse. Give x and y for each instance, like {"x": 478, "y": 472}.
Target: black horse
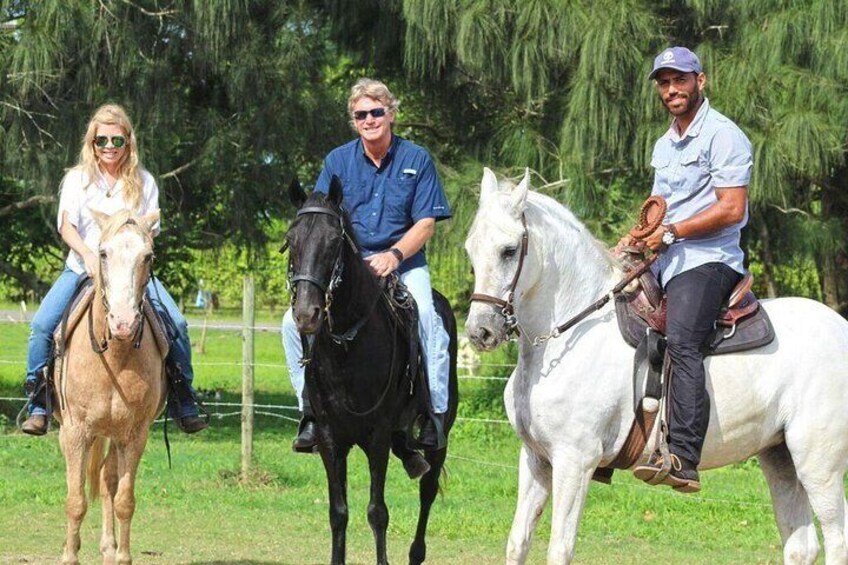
{"x": 358, "y": 361}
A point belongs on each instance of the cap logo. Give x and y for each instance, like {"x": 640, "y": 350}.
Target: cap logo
{"x": 668, "y": 57}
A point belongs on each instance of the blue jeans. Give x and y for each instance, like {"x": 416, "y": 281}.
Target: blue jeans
{"x": 49, "y": 315}
{"x": 434, "y": 339}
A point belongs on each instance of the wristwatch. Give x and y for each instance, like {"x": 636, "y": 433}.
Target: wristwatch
{"x": 397, "y": 253}
{"x": 670, "y": 235}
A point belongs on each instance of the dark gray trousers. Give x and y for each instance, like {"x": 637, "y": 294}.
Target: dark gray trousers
{"x": 695, "y": 298}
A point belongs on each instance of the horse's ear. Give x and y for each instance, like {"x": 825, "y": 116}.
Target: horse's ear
{"x": 150, "y": 219}
{"x": 489, "y": 184}
{"x": 335, "y": 194}
{"x": 519, "y": 193}
{"x": 296, "y": 193}
{"x": 99, "y": 217}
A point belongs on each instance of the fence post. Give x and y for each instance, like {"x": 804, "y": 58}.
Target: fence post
{"x": 248, "y": 318}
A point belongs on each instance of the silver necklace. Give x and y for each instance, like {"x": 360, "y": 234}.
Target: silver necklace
{"x": 105, "y": 184}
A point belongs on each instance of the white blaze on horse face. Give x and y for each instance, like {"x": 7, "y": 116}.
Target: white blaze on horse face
{"x": 125, "y": 276}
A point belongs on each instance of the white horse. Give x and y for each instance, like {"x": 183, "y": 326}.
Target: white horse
{"x": 571, "y": 399}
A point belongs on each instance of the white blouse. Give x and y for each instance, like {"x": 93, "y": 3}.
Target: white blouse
{"x": 78, "y": 196}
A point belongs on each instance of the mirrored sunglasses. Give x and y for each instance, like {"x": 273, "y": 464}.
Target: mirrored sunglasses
{"x": 360, "y": 115}
{"x": 118, "y": 141}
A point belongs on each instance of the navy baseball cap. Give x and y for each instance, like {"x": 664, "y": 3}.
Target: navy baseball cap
{"x": 677, "y": 58}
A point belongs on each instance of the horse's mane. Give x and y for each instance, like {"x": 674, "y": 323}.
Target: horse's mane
{"x": 120, "y": 219}
{"x": 544, "y": 209}
{"x": 565, "y": 217}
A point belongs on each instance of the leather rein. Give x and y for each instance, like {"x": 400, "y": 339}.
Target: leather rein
{"x": 508, "y": 307}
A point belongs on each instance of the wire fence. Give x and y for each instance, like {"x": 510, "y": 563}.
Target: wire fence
{"x": 264, "y": 410}
{"x": 223, "y": 409}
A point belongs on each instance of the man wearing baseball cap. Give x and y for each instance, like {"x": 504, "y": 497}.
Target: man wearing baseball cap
{"x": 702, "y": 167}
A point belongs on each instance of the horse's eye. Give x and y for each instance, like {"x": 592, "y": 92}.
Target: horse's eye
{"x": 509, "y": 252}
{"x": 148, "y": 257}
{"x": 103, "y": 254}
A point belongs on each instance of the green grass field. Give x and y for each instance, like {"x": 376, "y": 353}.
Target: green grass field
{"x": 199, "y": 512}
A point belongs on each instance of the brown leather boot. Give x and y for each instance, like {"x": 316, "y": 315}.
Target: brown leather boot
{"x": 682, "y": 475}
{"x": 191, "y": 424}
{"x": 35, "y": 425}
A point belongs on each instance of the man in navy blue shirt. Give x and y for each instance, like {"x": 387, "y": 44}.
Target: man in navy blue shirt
{"x": 394, "y": 197}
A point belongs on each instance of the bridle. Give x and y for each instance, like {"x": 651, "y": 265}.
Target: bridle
{"x": 329, "y": 286}
{"x": 507, "y": 305}
{"x": 102, "y": 283}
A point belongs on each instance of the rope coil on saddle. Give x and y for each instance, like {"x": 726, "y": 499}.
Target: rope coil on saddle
{"x": 651, "y": 216}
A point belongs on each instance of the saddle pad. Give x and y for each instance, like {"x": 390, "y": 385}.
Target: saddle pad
{"x": 80, "y": 301}
{"x": 751, "y": 332}
{"x": 78, "y": 307}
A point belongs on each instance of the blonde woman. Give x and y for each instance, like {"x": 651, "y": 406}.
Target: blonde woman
{"x": 107, "y": 178}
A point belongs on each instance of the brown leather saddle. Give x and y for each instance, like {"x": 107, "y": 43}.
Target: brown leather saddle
{"x": 741, "y": 324}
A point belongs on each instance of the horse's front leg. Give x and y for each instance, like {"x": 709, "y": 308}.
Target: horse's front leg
{"x": 378, "y": 513}
{"x": 571, "y": 475}
{"x": 75, "y": 447}
{"x": 108, "y": 488}
{"x": 129, "y": 456}
{"x": 335, "y": 465}
{"x": 534, "y": 487}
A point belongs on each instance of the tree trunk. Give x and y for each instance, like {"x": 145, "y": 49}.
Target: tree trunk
{"x": 768, "y": 259}
{"x": 829, "y": 281}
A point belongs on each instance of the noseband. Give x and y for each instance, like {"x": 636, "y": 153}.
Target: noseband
{"x": 507, "y": 306}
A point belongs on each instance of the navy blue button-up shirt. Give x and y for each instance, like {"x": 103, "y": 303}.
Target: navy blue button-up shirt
{"x": 385, "y": 202}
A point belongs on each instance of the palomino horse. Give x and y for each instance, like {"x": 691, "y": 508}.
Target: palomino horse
{"x": 570, "y": 399}
{"x": 357, "y": 370}
{"x": 110, "y": 389}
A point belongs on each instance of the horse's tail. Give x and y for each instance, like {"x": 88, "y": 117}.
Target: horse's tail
{"x": 96, "y": 458}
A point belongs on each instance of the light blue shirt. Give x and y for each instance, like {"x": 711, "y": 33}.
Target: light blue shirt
{"x": 713, "y": 153}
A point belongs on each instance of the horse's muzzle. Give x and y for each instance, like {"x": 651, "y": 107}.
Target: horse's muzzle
{"x": 308, "y": 318}
{"x": 485, "y": 327}
{"x": 124, "y": 327}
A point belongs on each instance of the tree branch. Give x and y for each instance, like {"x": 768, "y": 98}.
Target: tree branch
{"x": 791, "y": 210}
{"x": 24, "y": 204}
{"x": 160, "y": 14}
{"x": 179, "y": 169}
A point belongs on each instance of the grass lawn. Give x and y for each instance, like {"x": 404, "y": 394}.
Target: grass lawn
{"x": 198, "y": 512}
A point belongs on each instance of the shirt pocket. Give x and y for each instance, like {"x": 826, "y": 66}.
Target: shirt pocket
{"x": 692, "y": 170}
{"x": 353, "y": 194}
{"x": 662, "y": 175}
{"x": 399, "y": 195}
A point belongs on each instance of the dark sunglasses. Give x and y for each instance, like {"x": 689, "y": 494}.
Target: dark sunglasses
{"x": 360, "y": 115}
{"x": 118, "y": 141}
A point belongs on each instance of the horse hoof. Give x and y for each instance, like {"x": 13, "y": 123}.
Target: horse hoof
{"x": 415, "y": 465}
